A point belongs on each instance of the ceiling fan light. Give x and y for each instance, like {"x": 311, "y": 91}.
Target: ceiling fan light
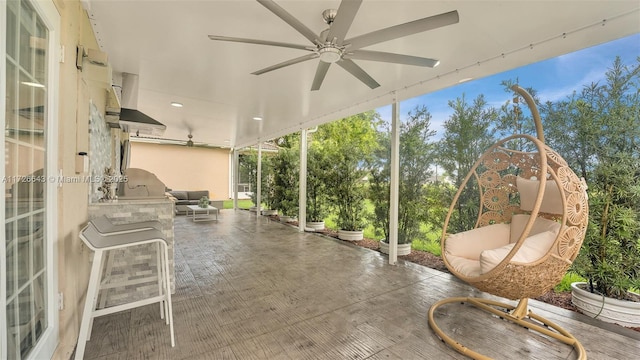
{"x": 330, "y": 54}
{"x": 437, "y": 63}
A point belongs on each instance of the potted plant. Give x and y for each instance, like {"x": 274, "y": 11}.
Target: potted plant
{"x": 349, "y": 195}
{"x": 268, "y": 197}
{"x": 415, "y": 161}
{"x": 249, "y": 168}
{"x": 610, "y": 255}
{"x": 606, "y": 130}
{"x": 285, "y": 182}
{"x": 203, "y": 202}
{"x": 349, "y": 143}
{"x": 316, "y": 187}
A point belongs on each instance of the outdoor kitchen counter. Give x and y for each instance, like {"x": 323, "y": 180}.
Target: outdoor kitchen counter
{"x": 136, "y": 263}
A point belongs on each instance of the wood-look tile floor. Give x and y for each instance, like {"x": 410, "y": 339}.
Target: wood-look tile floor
{"x": 250, "y": 288}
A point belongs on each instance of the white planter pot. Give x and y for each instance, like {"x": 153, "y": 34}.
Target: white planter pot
{"x": 269, "y": 212}
{"x": 621, "y": 312}
{"x": 350, "y": 235}
{"x": 315, "y": 225}
{"x": 286, "y": 219}
{"x": 403, "y": 249}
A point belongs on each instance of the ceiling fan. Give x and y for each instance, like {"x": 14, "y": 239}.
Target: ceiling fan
{"x": 332, "y": 47}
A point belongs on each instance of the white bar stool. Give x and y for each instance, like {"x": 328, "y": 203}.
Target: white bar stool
{"x": 100, "y": 243}
{"x": 105, "y": 227}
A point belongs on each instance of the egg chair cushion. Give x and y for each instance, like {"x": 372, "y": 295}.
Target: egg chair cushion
{"x": 464, "y": 266}
{"x": 533, "y": 248}
{"x": 469, "y": 244}
{"x": 519, "y": 221}
{"x": 551, "y": 199}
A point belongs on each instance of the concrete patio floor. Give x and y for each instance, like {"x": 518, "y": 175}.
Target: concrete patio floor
{"x": 250, "y": 288}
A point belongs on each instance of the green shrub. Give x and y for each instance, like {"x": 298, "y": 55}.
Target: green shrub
{"x": 565, "y": 284}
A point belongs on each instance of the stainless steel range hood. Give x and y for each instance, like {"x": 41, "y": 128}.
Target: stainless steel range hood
{"x": 133, "y": 120}
{"x": 136, "y": 122}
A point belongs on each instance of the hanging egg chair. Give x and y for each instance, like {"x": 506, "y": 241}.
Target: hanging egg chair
{"x": 531, "y": 220}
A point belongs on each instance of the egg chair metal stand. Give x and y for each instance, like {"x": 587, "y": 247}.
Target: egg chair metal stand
{"x": 531, "y": 220}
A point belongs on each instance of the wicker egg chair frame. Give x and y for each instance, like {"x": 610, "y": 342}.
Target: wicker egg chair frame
{"x": 494, "y": 175}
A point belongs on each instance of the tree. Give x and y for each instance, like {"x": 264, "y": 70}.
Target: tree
{"x": 249, "y": 169}
{"x": 468, "y": 134}
{"x": 317, "y": 165}
{"x": 416, "y": 154}
{"x": 570, "y": 131}
{"x": 514, "y": 116}
{"x": 610, "y": 256}
{"x": 286, "y": 176}
{"x": 349, "y": 143}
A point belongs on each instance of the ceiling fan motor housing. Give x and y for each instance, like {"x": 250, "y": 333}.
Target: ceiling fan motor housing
{"x": 330, "y": 54}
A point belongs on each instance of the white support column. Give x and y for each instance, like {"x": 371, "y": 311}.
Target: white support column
{"x": 236, "y": 173}
{"x": 302, "y": 196}
{"x": 259, "y": 179}
{"x": 395, "y": 183}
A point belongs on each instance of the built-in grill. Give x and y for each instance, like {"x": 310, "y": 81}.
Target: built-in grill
{"x": 140, "y": 184}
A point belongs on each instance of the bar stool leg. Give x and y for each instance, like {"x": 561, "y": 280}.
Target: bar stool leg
{"x": 89, "y": 304}
{"x": 102, "y": 297}
{"x": 168, "y": 293}
{"x": 160, "y": 277}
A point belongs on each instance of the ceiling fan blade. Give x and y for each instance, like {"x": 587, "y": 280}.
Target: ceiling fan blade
{"x": 397, "y": 31}
{"x": 344, "y": 18}
{"x": 357, "y": 71}
{"x": 391, "y": 58}
{"x": 289, "y": 19}
{"x": 286, "y": 63}
{"x": 259, "y": 42}
{"x": 321, "y": 72}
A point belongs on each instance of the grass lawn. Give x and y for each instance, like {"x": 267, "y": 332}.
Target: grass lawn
{"x": 242, "y": 204}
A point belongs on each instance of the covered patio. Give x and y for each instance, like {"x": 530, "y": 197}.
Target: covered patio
{"x": 251, "y": 288}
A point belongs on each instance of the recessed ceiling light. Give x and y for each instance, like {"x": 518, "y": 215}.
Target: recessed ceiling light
{"x": 176, "y": 104}
{"x": 464, "y": 80}
{"x": 257, "y": 118}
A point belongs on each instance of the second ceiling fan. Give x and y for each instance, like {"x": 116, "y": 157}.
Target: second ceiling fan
{"x": 332, "y": 47}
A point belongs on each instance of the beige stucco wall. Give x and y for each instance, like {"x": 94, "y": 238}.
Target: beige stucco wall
{"x": 185, "y": 168}
{"x": 75, "y": 92}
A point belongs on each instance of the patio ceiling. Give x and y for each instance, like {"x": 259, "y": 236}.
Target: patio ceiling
{"x": 166, "y": 43}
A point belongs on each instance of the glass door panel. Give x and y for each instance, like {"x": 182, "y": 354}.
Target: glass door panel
{"x": 26, "y": 246}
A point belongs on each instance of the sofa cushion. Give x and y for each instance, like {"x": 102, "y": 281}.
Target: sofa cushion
{"x": 533, "y": 248}
{"x": 519, "y": 221}
{"x": 179, "y": 195}
{"x": 196, "y": 195}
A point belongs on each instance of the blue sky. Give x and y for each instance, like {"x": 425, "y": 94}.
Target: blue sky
{"x": 553, "y": 79}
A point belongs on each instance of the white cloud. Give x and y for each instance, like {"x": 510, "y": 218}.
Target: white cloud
{"x": 560, "y": 93}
